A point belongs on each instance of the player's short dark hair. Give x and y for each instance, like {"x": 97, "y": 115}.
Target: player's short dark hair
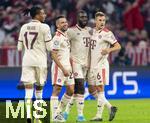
{"x": 81, "y": 11}
{"x": 58, "y": 17}
{"x": 33, "y": 11}
{"x": 99, "y": 14}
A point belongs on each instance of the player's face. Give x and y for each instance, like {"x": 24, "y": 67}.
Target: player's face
{"x": 82, "y": 19}
{"x": 62, "y": 24}
{"x": 100, "y": 22}
{"x": 42, "y": 15}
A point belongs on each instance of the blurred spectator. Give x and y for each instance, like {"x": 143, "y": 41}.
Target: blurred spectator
{"x": 146, "y": 13}
{"x": 128, "y": 19}
{"x": 2, "y": 35}
{"x": 132, "y": 17}
{"x": 122, "y": 59}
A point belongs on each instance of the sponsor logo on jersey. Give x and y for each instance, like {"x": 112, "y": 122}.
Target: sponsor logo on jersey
{"x": 59, "y": 80}
{"x": 99, "y": 36}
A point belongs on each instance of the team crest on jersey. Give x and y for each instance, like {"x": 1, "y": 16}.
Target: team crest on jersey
{"x": 99, "y": 36}
{"x": 59, "y": 80}
{"x": 75, "y": 74}
{"x": 56, "y": 42}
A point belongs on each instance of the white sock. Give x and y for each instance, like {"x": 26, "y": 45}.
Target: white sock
{"x": 80, "y": 104}
{"x": 69, "y": 105}
{"x": 64, "y": 101}
{"x": 54, "y": 106}
{"x": 38, "y": 94}
{"x": 28, "y": 101}
{"x": 100, "y": 105}
{"x": 108, "y": 105}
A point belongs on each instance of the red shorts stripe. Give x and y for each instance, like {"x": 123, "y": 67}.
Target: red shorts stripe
{"x": 103, "y": 75}
{"x": 71, "y": 61}
{"x": 55, "y": 74}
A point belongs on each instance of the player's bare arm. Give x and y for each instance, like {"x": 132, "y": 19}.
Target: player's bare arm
{"x": 115, "y": 47}
{"x": 54, "y": 55}
{"x": 20, "y": 46}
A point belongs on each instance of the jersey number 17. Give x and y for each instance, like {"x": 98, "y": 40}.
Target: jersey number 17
{"x": 26, "y": 34}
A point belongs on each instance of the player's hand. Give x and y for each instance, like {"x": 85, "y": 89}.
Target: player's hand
{"x": 105, "y": 51}
{"x": 66, "y": 73}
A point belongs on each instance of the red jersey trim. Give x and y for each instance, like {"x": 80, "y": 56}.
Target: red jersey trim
{"x": 78, "y": 27}
{"x": 115, "y": 42}
{"x": 60, "y": 33}
{"x": 105, "y": 29}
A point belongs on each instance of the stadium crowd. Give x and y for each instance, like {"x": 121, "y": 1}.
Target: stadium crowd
{"x": 128, "y": 19}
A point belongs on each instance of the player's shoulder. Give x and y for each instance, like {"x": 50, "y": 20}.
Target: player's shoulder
{"x": 24, "y": 25}
{"x": 70, "y": 29}
{"x": 88, "y": 28}
{"x": 107, "y": 31}
{"x": 57, "y": 38}
{"x": 45, "y": 26}
{"x": 57, "y": 35}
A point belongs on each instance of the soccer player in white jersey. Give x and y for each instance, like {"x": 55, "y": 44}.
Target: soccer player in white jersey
{"x": 103, "y": 42}
{"x": 79, "y": 37}
{"x": 61, "y": 70}
{"x": 34, "y": 40}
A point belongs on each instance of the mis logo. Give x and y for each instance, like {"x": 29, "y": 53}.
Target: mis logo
{"x": 20, "y": 108}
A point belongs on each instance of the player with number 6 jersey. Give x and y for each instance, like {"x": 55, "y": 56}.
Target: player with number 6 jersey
{"x": 103, "y": 42}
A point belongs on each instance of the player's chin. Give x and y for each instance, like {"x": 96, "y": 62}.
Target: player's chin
{"x": 102, "y": 26}
{"x": 84, "y": 23}
{"x": 43, "y": 20}
{"x": 65, "y": 28}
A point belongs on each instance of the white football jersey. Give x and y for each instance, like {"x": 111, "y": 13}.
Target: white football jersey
{"x": 100, "y": 40}
{"x": 62, "y": 45}
{"x": 34, "y": 38}
{"x": 80, "y": 42}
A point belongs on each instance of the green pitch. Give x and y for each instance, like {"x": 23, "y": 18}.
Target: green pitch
{"x": 129, "y": 111}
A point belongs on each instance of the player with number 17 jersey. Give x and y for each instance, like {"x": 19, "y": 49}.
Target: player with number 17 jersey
{"x": 35, "y": 38}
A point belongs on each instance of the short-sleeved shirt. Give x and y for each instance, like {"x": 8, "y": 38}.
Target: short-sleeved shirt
{"x": 100, "y": 40}
{"x": 34, "y": 36}
{"x": 80, "y": 42}
{"x": 62, "y": 45}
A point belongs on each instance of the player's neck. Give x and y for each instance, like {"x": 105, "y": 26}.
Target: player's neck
{"x": 35, "y": 20}
{"x": 99, "y": 29}
{"x": 80, "y": 27}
